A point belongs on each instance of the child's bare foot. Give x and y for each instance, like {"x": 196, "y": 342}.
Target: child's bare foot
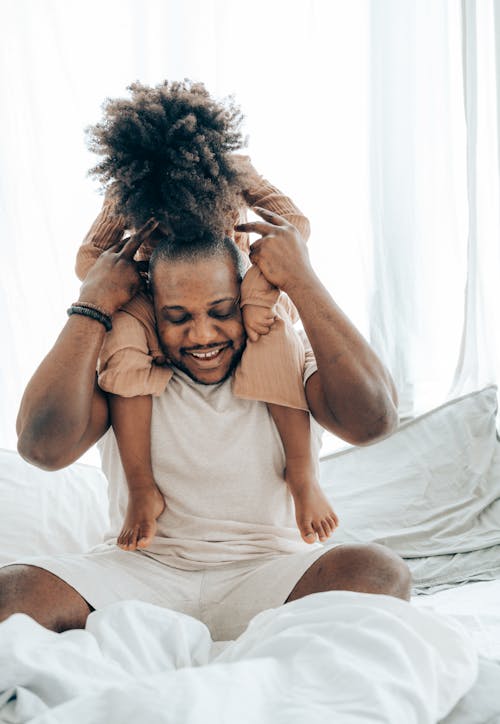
{"x": 145, "y": 505}
{"x": 313, "y": 513}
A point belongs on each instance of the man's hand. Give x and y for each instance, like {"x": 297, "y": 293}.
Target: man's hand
{"x": 351, "y": 394}
{"x": 114, "y": 279}
{"x": 281, "y": 254}
{"x": 257, "y": 320}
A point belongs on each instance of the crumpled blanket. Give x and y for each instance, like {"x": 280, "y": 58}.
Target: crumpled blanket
{"x": 334, "y": 656}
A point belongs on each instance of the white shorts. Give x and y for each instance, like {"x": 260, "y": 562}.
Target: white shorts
{"x": 225, "y": 598}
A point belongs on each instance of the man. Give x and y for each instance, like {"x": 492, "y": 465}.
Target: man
{"x": 225, "y": 549}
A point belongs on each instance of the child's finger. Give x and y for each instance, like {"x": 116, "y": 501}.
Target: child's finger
{"x": 260, "y": 319}
{"x": 261, "y": 328}
{"x": 268, "y": 321}
{"x": 252, "y": 336}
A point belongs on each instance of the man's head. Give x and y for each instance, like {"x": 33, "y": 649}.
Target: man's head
{"x": 196, "y": 292}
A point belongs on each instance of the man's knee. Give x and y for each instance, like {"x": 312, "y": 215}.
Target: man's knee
{"x": 383, "y": 569}
{"x": 43, "y": 596}
{"x": 367, "y": 568}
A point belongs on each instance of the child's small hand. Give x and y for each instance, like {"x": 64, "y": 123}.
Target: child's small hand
{"x": 257, "y": 320}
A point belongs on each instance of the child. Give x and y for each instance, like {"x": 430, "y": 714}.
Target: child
{"x": 271, "y": 367}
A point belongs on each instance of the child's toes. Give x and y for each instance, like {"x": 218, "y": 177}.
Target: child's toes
{"x": 145, "y": 535}
{"x": 334, "y": 521}
{"x": 327, "y": 530}
{"x": 122, "y": 540}
{"x": 333, "y": 518}
{"x": 319, "y": 530}
{"x": 134, "y": 537}
{"x": 129, "y": 539}
{"x": 307, "y": 533}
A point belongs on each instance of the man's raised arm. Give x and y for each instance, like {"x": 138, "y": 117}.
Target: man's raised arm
{"x": 63, "y": 412}
{"x": 352, "y": 394}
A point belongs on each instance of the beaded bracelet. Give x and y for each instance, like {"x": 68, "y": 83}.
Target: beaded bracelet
{"x": 90, "y": 310}
{"x": 89, "y": 305}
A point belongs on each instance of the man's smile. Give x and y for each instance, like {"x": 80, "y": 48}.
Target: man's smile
{"x": 207, "y": 356}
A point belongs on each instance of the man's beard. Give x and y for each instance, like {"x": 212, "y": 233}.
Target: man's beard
{"x": 235, "y": 359}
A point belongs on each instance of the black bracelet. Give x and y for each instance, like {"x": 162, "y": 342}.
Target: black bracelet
{"x": 92, "y": 313}
{"x": 89, "y": 305}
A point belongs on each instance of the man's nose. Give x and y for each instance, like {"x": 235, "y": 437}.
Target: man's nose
{"x": 202, "y": 331}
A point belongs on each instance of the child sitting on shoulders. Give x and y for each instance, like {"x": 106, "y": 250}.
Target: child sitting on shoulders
{"x": 168, "y": 154}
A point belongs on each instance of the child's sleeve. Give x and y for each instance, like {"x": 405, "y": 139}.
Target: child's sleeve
{"x": 125, "y": 366}
{"x": 271, "y": 369}
{"x": 106, "y": 230}
{"x": 255, "y": 288}
{"x": 260, "y": 192}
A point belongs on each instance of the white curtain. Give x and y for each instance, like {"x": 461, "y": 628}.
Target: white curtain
{"x": 379, "y": 118}
{"x": 435, "y": 196}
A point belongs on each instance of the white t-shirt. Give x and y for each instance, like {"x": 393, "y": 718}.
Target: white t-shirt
{"x": 219, "y": 462}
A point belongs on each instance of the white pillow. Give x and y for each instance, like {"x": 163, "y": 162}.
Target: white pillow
{"x": 49, "y": 512}
{"x": 432, "y": 488}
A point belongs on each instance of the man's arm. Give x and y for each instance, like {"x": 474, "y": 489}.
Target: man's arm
{"x": 63, "y": 411}
{"x": 352, "y": 394}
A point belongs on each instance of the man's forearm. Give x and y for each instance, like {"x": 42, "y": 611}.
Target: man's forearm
{"x": 352, "y": 394}
{"x": 63, "y": 411}
{"x": 59, "y": 403}
{"x": 358, "y": 391}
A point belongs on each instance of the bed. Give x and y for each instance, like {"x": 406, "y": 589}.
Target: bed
{"x": 431, "y": 492}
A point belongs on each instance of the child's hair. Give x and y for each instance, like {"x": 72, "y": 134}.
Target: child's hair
{"x": 167, "y": 154}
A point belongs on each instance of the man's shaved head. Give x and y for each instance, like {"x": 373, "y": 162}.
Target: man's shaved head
{"x": 205, "y": 246}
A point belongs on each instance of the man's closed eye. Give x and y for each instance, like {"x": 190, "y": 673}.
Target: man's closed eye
{"x": 213, "y": 314}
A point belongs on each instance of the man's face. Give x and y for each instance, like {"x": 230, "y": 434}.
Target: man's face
{"x": 199, "y": 318}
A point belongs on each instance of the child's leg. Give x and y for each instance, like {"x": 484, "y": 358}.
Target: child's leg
{"x": 313, "y": 512}
{"x": 131, "y": 420}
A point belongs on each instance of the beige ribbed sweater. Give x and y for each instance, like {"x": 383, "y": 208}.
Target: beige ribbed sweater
{"x": 271, "y": 369}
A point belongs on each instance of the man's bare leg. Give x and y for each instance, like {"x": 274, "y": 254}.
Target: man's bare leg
{"x": 43, "y": 596}
{"x": 367, "y": 568}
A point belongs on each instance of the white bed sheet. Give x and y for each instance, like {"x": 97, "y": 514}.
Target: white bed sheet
{"x": 358, "y": 657}
{"x": 477, "y": 607}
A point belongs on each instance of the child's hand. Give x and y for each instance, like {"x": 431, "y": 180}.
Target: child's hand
{"x": 257, "y": 320}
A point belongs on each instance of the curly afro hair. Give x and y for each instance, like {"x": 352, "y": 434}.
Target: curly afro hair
{"x": 167, "y": 154}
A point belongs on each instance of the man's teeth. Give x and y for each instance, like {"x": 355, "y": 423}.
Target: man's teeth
{"x": 207, "y": 355}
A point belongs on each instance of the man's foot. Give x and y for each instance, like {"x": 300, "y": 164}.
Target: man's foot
{"x": 314, "y": 515}
{"x": 145, "y": 505}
